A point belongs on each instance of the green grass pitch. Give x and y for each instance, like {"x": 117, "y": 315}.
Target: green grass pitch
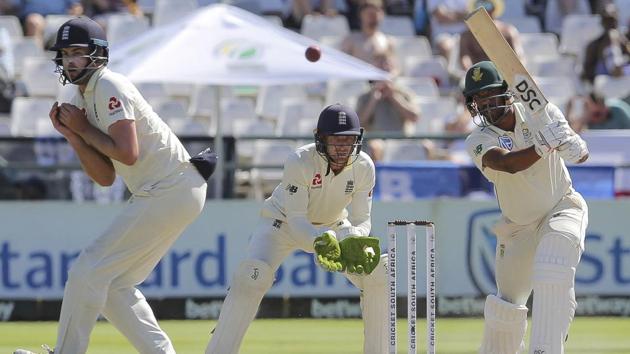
{"x": 592, "y": 335}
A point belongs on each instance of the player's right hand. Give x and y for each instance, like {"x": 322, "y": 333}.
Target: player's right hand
{"x": 328, "y": 252}
{"x": 60, "y": 127}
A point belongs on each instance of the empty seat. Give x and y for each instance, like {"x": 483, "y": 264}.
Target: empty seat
{"x": 435, "y": 67}
{"x": 168, "y": 11}
{"x": 539, "y": 45}
{"x": 12, "y": 25}
{"x": 39, "y": 77}
{"x": 398, "y": 26}
{"x": 233, "y": 109}
{"x": 26, "y": 112}
{"x": 121, "y": 27}
{"x": 316, "y": 27}
{"x": 577, "y": 32}
{"x": 411, "y": 47}
{"x": 612, "y": 87}
{"x": 271, "y": 155}
{"x": 525, "y": 24}
{"x": 294, "y": 112}
{"x": 153, "y": 92}
{"x": 345, "y": 92}
{"x": 434, "y": 113}
{"x": 23, "y": 48}
{"x": 269, "y": 99}
{"x": 187, "y": 127}
{"x": 171, "y": 110}
{"x": 404, "y": 150}
{"x": 549, "y": 66}
{"x": 560, "y": 88}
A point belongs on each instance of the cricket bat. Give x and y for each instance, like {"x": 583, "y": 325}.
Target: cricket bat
{"x": 505, "y": 59}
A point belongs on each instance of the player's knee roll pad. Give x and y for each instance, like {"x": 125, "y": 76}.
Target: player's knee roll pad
{"x": 252, "y": 277}
{"x": 505, "y": 325}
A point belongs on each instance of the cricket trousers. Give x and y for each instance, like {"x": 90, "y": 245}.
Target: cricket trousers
{"x": 103, "y": 279}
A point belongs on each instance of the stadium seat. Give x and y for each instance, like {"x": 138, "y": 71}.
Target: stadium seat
{"x": 122, "y": 27}
{"x": 539, "y": 45}
{"x": 316, "y": 27}
{"x": 153, "y": 92}
{"x": 434, "y": 113}
{"x": 171, "y": 109}
{"x": 187, "y": 127}
{"x": 513, "y": 9}
{"x": 549, "y": 66}
{"x": 404, "y": 150}
{"x": 293, "y": 112}
{"x": 26, "y": 47}
{"x": 421, "y": 86}
{"x": 168, "y": 11}
{"x": 345, "y": 92}
{"x": 13, "y": 26}
{"x": 269, "y": 99}
{"x": 577, "y": 32}
{"x": 233, "y": 109}
{"x": 435, "y": 67}
{"x": 271, "y": 154}
{"x": 557, "y": 88}
{"x": 525, "y": 24}
{"x": 411, "y": 47}
{"x": 399, "y": 26}
{"x": 612, "y": 87}
{"x": 26, "y": 112}
{"x": 332, "y": 41}
{"x": 39, "y": 77}
{"x": 204, "y": 101}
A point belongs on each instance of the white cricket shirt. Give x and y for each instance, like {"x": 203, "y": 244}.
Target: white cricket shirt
{"x": 530, "y": 194}
{"x": 110, "y": 97}
{"x": 307, "y": 192}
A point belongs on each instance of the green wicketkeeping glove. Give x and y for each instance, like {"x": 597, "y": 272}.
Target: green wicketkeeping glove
{"x": 360, "y": 254}
{"x": 328, "y": 252}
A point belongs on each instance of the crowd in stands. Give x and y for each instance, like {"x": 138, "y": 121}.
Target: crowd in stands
{"x": 578, "y": 50}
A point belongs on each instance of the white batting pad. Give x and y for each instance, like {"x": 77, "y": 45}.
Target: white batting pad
{"x": 554, "y": 296}
{"x": 252, "y": 280}
{"x": 505, "y": 326}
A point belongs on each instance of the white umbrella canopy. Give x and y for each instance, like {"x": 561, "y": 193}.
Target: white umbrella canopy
{"x": 224, "y": 45}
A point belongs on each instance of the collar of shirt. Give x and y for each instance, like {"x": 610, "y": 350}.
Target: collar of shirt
{"x": 94, "y": 78}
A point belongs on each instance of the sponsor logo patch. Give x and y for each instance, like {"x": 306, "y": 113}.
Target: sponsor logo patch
{"x": 478, "y": 149}
{"x": 506, "y": 142}
{"x": 292, "y": 189}
{"x": 481, "y": 249}
{"x": 349, "y": 187}
{"x": 114, "y": 103}
{"x": 317, "y": 181}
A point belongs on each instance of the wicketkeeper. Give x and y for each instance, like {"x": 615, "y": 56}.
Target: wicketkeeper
{"x": 307, "y": 211}
{"x": 540, "y": 236}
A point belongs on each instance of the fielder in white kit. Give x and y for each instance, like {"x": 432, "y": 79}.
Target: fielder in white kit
{"x": 113, "y": 130}
{"x": 306, "y": 210}
{"x": 540, "y": 237}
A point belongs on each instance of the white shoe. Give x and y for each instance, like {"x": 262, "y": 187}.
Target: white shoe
{"x": 24, "y": 351}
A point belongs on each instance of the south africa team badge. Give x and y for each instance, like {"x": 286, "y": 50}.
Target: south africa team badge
{"x": 506, "y": 142}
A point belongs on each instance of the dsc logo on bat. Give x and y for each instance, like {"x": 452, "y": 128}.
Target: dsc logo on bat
{"x": 529, "y": 94}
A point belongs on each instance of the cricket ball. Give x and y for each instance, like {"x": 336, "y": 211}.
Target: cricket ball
{"x": 313, "y": 53}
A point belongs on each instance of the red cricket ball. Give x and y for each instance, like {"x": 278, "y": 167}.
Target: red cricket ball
{"x": 313, "y": 53}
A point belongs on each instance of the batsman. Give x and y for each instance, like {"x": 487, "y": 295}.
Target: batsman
{"x": 540, "y": 236}
{"x": 322, "y": 206}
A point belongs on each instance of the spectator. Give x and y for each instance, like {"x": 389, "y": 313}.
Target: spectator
{"x": 447, "y": 21}
{"x": 608, "y": 53}
{"x": 386, "y": 107}
{"x": 301, "y": 8}
{"x": 604, "y": 113}
{"x": 32, "y": 14}
{"x": 469, "y": 50}
{"x": 370, "y": 39}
